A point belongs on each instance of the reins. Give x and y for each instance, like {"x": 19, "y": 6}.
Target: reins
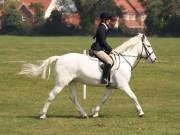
{"x": 124, "y": 56}
{"x": 148, "y": 54}
{"x": 116, "y": 59}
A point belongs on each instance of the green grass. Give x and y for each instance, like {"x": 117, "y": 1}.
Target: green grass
{"x": 156, "y": 86}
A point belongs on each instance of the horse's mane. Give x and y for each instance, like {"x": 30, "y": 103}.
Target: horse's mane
{"x": 128, "y": 44}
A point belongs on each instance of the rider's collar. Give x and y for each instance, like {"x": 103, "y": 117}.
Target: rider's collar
{"x": 105, "y": 26}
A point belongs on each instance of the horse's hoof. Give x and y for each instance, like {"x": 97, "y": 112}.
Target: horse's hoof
{"x": 43, "y": 116}
{"x": 95, "y": 112}
{"x": 95, "y": 115}
{"x": 84, "y": 116}
{"x": 141, "y": 115}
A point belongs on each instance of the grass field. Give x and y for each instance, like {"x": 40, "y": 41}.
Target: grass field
{"x": 157, "y": 87}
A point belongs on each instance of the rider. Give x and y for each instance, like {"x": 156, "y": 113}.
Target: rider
{"x": 101, "y": 48}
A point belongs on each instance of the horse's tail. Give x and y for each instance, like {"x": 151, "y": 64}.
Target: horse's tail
{"x": 32, "y": 70}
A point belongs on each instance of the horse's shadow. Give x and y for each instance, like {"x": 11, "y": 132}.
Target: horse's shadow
{"x": 51, "y": 116}
{"x": 37, "y": 117}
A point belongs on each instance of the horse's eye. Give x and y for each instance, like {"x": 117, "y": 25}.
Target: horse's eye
{"x": 148, "y": 46}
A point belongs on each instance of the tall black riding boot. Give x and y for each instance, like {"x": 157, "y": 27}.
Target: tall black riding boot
{"x": 106, "y": 72}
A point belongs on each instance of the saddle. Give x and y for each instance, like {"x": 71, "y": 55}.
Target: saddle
{"x": 114, "y": 57}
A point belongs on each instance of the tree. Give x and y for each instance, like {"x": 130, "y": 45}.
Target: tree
{"x": 39, "y": 12}
{"x": 55, "y": 17}
{"x": 11, "y": 19}
{"x": 90, "y": 10}
{"x": 67, "y": 6}
{"x": 39, "y": 20}
{"x": 159, "y": 15}
{"x": 172, "y": 26}
{"x": 54, "y": 24}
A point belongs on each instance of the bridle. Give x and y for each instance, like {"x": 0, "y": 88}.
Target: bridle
{"x": 148, "y": 54}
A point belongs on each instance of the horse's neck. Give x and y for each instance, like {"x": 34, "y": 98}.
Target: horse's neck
{"x": 127, "y": 45}
{"x": 131, "y": 55}
{"x": 129, "y": 49}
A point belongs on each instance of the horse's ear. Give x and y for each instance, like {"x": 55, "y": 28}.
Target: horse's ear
{"x": 143, "y": 37}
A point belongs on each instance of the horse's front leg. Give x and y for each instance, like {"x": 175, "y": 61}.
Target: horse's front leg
{"x": 74, "y": 99}
{"x": 95, "y": 110}
{"x": 126, "y": 88}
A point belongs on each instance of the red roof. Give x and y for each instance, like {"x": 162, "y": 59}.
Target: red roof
{"x": 130, "y": 5}
{"x": 45, "y": 3}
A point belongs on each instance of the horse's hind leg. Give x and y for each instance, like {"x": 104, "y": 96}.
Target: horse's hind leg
{"x": 51, "y": 97}
{"x": 74, "y": 99}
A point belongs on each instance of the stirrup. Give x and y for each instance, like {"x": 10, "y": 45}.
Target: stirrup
{"x": 105, "y": 81}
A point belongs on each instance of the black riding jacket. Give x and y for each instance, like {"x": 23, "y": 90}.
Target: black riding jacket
{"x": 100, "y": 43}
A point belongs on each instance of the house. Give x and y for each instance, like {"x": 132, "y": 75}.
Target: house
{"x": 28, "y": 14}
{"x": 133, "y": 13}
{"x": 49, "y": 6}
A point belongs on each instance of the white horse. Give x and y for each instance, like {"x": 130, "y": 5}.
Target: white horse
{"x": 73, "y": 67}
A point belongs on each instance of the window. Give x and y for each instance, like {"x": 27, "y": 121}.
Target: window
{"x": 24, "y": 19}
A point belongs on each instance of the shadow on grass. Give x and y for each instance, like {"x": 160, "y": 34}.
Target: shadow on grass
{"x": 37, "y": 117}
{"x": 52, "y": 116}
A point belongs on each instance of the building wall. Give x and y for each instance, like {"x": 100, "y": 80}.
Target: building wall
{"x": 26, "y": 14}
{"x": 133, "y": 13}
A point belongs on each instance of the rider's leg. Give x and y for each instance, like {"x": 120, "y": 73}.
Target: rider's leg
{"x": 108, "y": 64}
{"x": 106, "y": 72}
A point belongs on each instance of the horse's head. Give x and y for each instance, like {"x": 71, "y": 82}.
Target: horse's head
{"x": 146, "y": 50}
{"x": 142, "y": 45}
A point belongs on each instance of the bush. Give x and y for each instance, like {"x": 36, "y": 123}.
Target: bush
{"x": 12, "y": 23}
{"x": 172, "y": 27}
